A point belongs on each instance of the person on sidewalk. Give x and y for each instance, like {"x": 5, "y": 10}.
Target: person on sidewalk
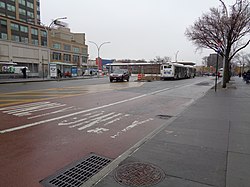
{"x": 24, "y": 72}
{"x": 247, "y": 76}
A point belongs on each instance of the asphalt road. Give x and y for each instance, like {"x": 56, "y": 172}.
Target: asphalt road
{"x": 46, "y": 126}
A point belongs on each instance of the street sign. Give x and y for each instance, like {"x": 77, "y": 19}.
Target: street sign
{"x": 53, "y": 70}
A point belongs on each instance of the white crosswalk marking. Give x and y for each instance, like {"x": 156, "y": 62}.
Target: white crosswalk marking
{"x": 29, "y": 109}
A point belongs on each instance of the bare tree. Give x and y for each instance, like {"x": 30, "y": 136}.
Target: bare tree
{"x": 223, "y": 31}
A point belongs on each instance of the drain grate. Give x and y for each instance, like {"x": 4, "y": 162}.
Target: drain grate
{"x": 77, "y": 173}
{"x": 163, "y": 116}
{"x": 139, "y": 174}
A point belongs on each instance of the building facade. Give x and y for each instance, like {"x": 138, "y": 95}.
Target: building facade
{"x": 68, "y": 50}
{"x": 212, "y": 59}
{"x": 25, "y": 41}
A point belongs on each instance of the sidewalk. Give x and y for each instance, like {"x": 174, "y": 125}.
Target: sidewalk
{"x": 22, "y": 80}
{"x": 207, "y": 145}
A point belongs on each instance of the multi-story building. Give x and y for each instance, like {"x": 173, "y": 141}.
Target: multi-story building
{"x": 68, "y": 50}
{"x": 24, "y": 40}
{"x": 212, "y": 59}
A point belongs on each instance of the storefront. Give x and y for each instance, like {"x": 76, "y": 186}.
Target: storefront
{"x": 67, "y": 69}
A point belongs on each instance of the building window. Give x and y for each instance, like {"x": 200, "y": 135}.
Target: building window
{"x": 22, "y": 2}
{"x": 3, "y": 23}
{"x": 23, "y": 29}
{"x": 66, "y": 57}
{"x": 10, "y": 16}
{"x": 3, "y": 29}
{"x": 67, "y": 47}
{"x": 76, "y": 58}
{"x": 4, "y": 36}
{"x": 30, "y": 14}
{"x": 24, "y": 40}
{"x": 76, "y": 50}
{"x": 56, "y": 56}
{"x": 30, "y": 5}
{"x": 43, "y": 33}
{"x": 43, "y": 42}
{"x": 84, "y": 50}
{"x": 2, "y": 4}
{"x": 57, "y": 46}
{"x": 34, "y": 31}
{"x": 34, "y": 41}
{"x": 11, "y": 8}
{"x": 22, "y": 11}
{"x": 14, "y": 26}
{"x": 15, "y": 38}
{"x": 21, "y": 19}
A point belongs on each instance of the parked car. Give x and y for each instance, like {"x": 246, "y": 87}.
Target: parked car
{"x": 119, "y": 75}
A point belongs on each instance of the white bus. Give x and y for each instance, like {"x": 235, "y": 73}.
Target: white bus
{"x": 176, "y": 71}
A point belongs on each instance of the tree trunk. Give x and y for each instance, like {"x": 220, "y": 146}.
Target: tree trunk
{"x": 226, "y": 77}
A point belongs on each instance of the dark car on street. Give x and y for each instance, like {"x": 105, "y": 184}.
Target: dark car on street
{"x": 119, "y": 75}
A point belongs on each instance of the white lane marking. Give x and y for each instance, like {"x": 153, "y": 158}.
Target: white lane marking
{"x": 69, "y": 115}
{"x": 86, "y": 116}
{"x": 133, "y": 125}
{"x": 117, "y": 119}
{"x": 98, "y": 119}
{"x": 24, "y": 105}
{"x": 26, "y": 110}
{"x": 54, "y": 112}
{"x": 84, "y": 111}
{"x": 91, "y": 118}
{"x": 98, "y": 130}
{"x": 41, "y": 109}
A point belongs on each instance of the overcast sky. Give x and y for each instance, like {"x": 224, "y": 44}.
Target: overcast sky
{"x": 137, "y": 29}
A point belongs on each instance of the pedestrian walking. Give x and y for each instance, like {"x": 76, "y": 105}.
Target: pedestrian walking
{"x": 247, "y": 76}
{"x": 24, "y": 71}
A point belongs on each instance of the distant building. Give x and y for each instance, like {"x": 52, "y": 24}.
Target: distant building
{"x": 23, "y": 40}
{"x": 211, "y": 61}
{"x": 68, "y": 50}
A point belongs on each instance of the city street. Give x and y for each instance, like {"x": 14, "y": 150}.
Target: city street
{"x": 46, "y": 126}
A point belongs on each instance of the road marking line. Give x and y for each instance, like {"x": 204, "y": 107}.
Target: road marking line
{"x": 50, "y": 113}
{"x": 84, "y": 111}
{"x": 69, "y": 115}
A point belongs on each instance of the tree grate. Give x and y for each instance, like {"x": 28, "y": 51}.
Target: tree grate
{"x": 77, "y": 173}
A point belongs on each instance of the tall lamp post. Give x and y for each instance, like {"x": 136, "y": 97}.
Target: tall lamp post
{"x": 54, "y": 22}
{"x": 98, "y": 52}
{"x": 176, "y": 54}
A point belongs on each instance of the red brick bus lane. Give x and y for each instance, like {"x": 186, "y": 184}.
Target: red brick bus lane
{"x": 37, "y": 139}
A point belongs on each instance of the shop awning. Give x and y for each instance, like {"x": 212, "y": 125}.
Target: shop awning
{"x": 63, "y": 63}
{"x": 8, "y": 63}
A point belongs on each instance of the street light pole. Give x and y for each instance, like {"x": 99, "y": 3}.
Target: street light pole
{"x": 176, "y": 54}
{"x": 98, "y": 52}
{"x": 54, "y": 22}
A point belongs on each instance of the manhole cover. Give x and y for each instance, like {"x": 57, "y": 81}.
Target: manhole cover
{"x": 77, "y": 173}
{"x": 139, "y": 174}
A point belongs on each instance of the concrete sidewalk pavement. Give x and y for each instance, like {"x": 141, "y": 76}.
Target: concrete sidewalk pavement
{"x": 207, "y": 145}
{"x": 22, "y": 80}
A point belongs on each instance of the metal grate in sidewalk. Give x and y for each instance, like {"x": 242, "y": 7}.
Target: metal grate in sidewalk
{"x": 77, "y": 173}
